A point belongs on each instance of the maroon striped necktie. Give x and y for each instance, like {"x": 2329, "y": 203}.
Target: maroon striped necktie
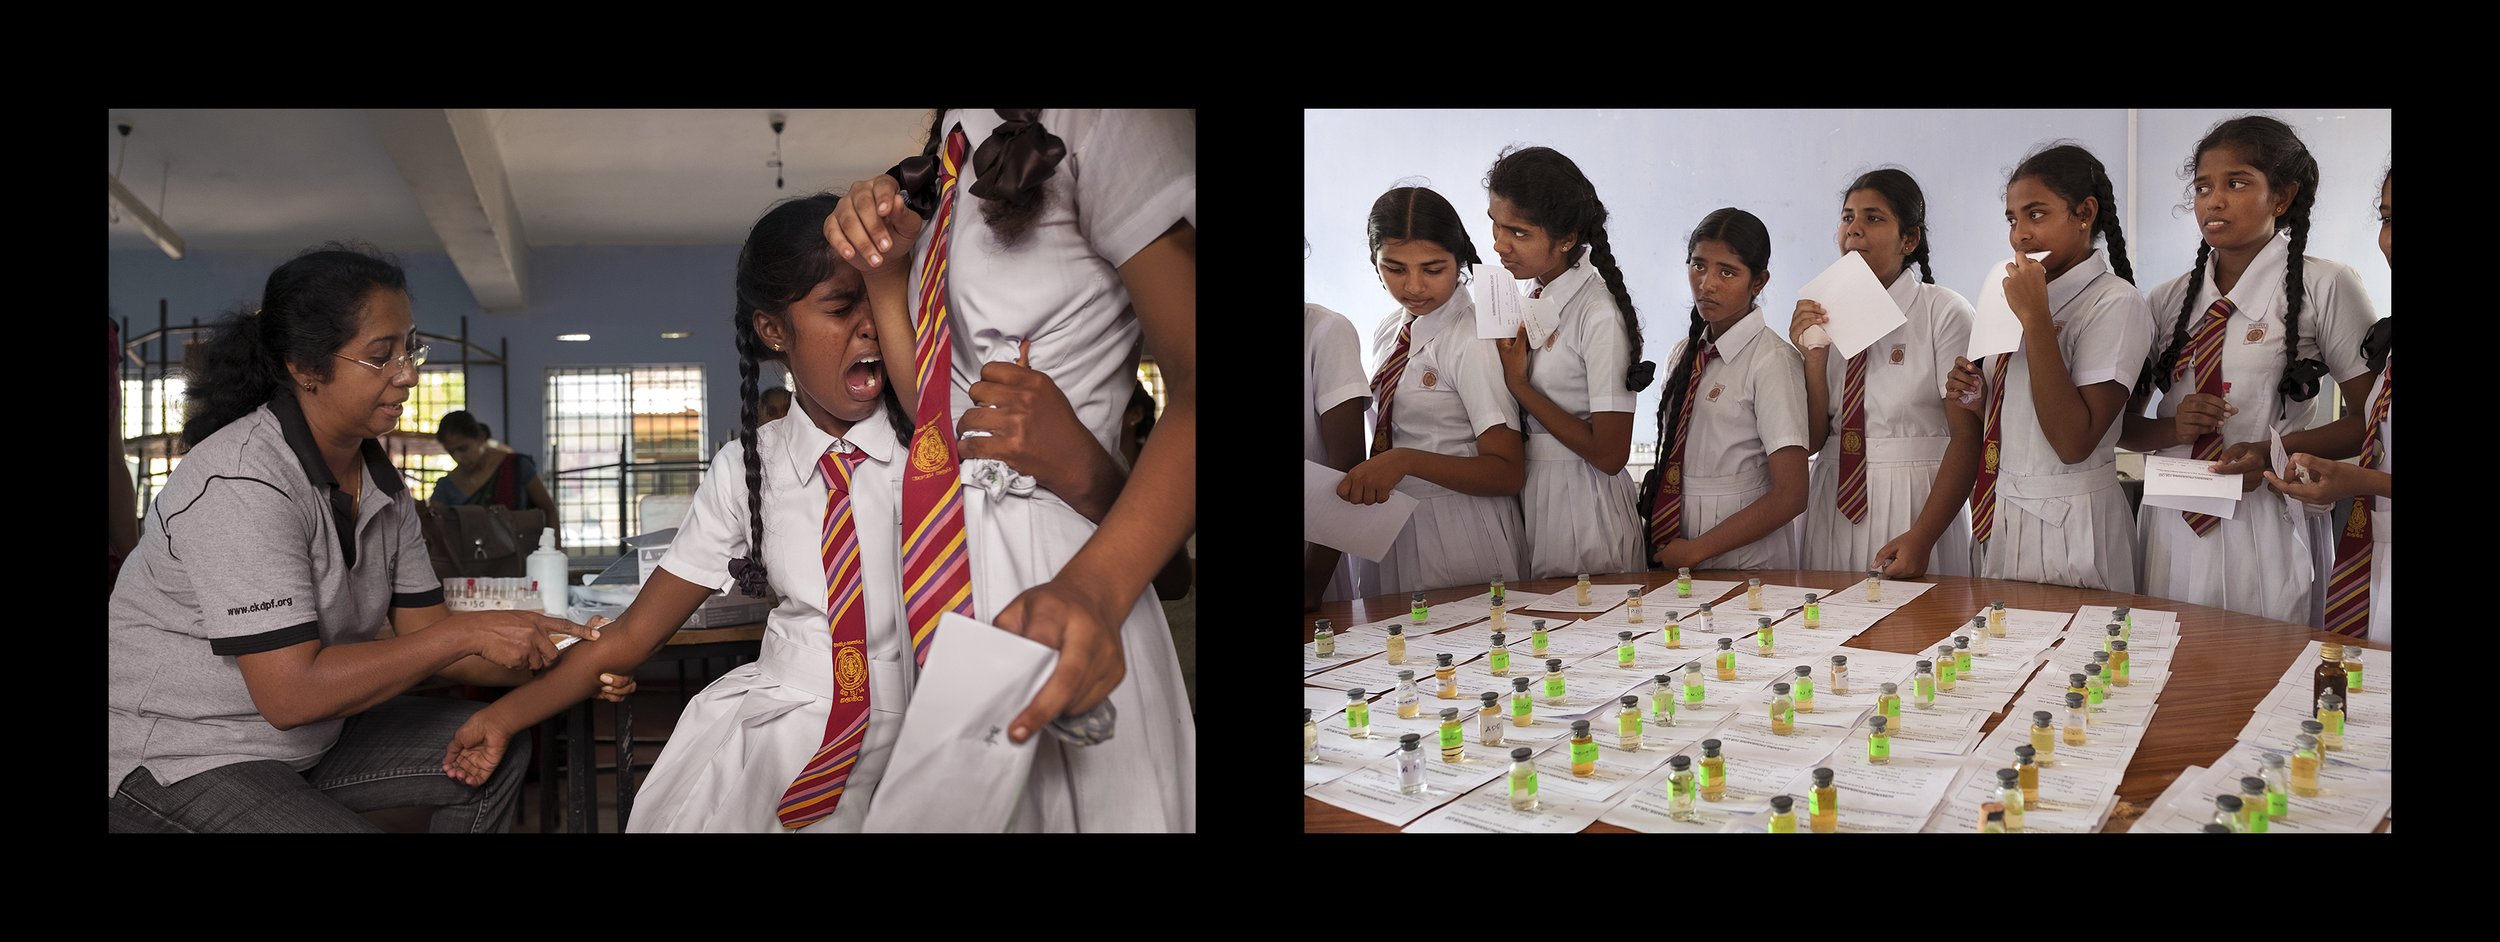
{"x": 1666, "y": 516}
{"x": 2348, "y": 593}
{"x": 1385, "y": 385}
{"x": 818, "y": 787}
{"x": 2204, "y": 359}
{"x": 1853, "y": 440}
{"x": 1983, "y": 495}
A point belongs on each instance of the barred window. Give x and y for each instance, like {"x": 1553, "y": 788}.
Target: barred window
{"x": 616, "y": 434}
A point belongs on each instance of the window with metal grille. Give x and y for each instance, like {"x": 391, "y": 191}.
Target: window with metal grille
{"x": 153, "y": 411}
{"x": 616, "y": 435}
{"x": 412, "y": 446}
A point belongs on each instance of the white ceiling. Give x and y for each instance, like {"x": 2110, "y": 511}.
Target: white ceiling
{"x": 269, "y": 180}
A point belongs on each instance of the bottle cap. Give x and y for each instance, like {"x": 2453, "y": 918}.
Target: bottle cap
{"x": 1630, "y": 701}
{"x": 1632, "y": 593}
{"x": 1781, "y": 803}
{"x": 2216, "y": 829}
{"x": 1623, "y": 636}
{"x": 2251, "y": 783}
{"x": 1419, "y": 596}
{"x": 2118, "y": 645}
{"x": 1705, "y": 608}
{"x": 2041, "y": 717}
{"x": 1891, "y": 690}
{"x": 1306, "y": 714}
{"x": 1822, "y": 778}
{"x": 1579, "y": 727}
{"x": 2331, "y": 701}
{"x": 1944, "y": 651}
{"x": 1449, "y": 714}
{"x": 1766, "y": 622}
{"x": 1408, "y": 741}
{"x": 1662, "y": 678}
{"x": 1521, "y": 754}
{"x": 1354, "y": 694}
{"x": 1553, "y": 663}
{"x": 2074, "y": 701}
{"x": 1405, "y": 675}
{"x": 1518, "y": 683}
{"x": 1709, "y": 747}
{"x": 2331, "y": 652}
{"x": 2101, "y": 657}
{"x": 2120, "y": 612}
{"x": 1812, "y": 597}
{"x": 2312, "y": 727}
{"x": 1441, "y": 660}
{"x": 2025, "y": 755}
{"x": 1961, "y": 641}
{"x": 1839, "y": 660}
{"x": 1979, "y": 621}
{"x": 1498, "y": 638}
{"x": 1681, "y": 763}
{"x": 2008, "y": 776}
{"x": 1996, "y": 604}
{"x": 1926, "y": 665}
{"x": 1727, "y": 644}
{"x": 1754, "y": 583}
{"x": 2271, "y": 761}
{"x": 1584, "y": 577}
{"x": 2074, "y": 680}
{"x": 1879, "y": 721}
{"x": 1320, "y": 625}
{"x": 1804, "y": 671}
{"x": 1683, "y": 570}
{"x": 2092, "y": 670}
{"x": 1997, "y": 815}
{"x": 1537, "y": 623}
{"x": 2114, "y": 629}
{"x": 2305, "y": 741}
{"x": 1780, "y": 690}
{"x": 1874, "y": 573}
{"x": 2227, "y": 803}
{"x": 1491, "y": 697}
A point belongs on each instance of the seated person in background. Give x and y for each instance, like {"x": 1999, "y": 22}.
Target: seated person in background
{"x": 489, "y": 473}
{"x": 774, "y": 404}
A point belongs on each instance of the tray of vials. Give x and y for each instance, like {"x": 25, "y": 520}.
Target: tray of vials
{"x": 491, "y": 594}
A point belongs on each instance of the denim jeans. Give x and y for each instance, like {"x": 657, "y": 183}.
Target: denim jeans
{"x": 388, "y": 757}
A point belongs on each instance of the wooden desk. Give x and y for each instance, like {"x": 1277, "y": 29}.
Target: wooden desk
{"x": 2224, "y": 664}
{"x": 736, "y": 641}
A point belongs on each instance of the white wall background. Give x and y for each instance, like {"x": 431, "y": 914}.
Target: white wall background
{"x": 1659, "y": 172}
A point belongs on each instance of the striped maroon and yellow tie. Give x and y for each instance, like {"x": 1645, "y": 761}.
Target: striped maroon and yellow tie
{"x": 818, "y": 787}
{"x": 937, "y": 569}
{"x": 1666, "y": 515}
{"x": 2348, "y": 593}
{"x": 1853, "y": 441}
{"x": 2204, "y": 357}
{"x": 1385, "y": 385}
{"x": 1983, "y": 493}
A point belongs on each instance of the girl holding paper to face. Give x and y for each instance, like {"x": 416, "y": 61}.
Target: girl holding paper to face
{"x": 1731, "y": 474}
{"x": 2256, "y": 318}
{"x": 1578, "y": 389}
{"x": 1442, "y": 424}
{"x": 1890, "y": 489}
{"x": 2046, "y": 505}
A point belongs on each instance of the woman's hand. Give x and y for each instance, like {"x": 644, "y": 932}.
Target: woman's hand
{"x": 2027, "y": 292}
{"x": 1372, "y": 481}
{"x": 869, "y": 222}
{"x": 1677, "y": 554}
{"x": 2246, "y": 459}
{"x": 1514, "y": 352}
{"x": 1905, "y": 557}
{"x": 1809, "y": 314}
{"x": 1085, "y": 630}
{"x": 475, "y": 749}
{"x": 2329, "y": 481}
{"x": 519, "y": 639}
{"x": 1965, "y": 386}
{"x": 2200, "y": 415}
{"x": 1034, "y": 430}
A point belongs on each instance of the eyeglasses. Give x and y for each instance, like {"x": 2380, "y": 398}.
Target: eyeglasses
{"x": 414, "y": 358}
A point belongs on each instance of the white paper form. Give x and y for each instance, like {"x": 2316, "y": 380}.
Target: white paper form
{"x": 2097, "y": 616}
{"x": 1438, "y": 616}
{"x": 1777, "y": 601}
{"x": 1374, "y": 674}
{"x": 944, "y": 771}
{"x": 1649, "y": 661}
{"x": 1854, "y": 300}
{"x": 1340, "y": 757}
{"x": 1372, "y": 791}
{"x": 2030, "y": 622}
{"x": 1386, "y": 726}
{"x": 1993, "y": 326}
{"x": 2188, "y": 805}
{"x": 1960, "y": 809}
{"x": 1351, "y": 646}
{"x": 1909, "y": 786}
{"x": 1365, "y": 530}
{"x": 2349, "y": 798}
{"x": 1615, "y": 769}
{"x": 1897, "y": 593}
{"x": 1460, "y": 644}
{"x": 1846, "y": 621}
{"x": 1571, "y": 644}
{"x": 1748, "y": 740}
{"x": 2377, "y": 676}
{"x": 2367, "y": 716}
{"x": 2129, "y": 710}
{"x": 1602, "y": 596}
{"x": 2064, "y": 786}
{"x": 1935, "y": 733}
{"x": 1501, "y": 308}
{"x": 1487, "y": 810}
{"x": 1704, "y": 590}
{"x": 2184, "y": 484}
{"x": 1643, "y": 807}
{"x": 1324, "y": 703}
{"x": 1793, "y": 645}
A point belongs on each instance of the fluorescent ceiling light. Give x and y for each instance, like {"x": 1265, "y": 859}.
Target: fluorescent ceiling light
{"x": 674, "y": 335}
{"x": 576, "y": 338}
{"x": 156, "y": 228}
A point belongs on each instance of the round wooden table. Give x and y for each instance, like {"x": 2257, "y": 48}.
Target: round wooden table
{"x": 2225, "y": 662}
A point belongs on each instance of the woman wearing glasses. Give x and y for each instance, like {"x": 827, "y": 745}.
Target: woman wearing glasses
{"x": 281, "y": 601}
{"x": 489, "y": 472}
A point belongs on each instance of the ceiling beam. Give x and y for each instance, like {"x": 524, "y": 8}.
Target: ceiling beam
{"x": 456, "y": 173}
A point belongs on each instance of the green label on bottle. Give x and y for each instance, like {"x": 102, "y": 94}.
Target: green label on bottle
{"x": 1419, "y": 614}
{"x": 1498, "y": 661}
{"x": 1727, "y": 660}
{"x": 1879, "y": 747}
{"x": 1814, "y": 612}
{"x": 2334, "y": 723}
{"x": 1945, "y": 670}
{"x": 2278, "y": 801}
{"x": 1554, "y": 687}
{"x": 1789, "y": 715}
{"x": 1892, "y": 708}
{"x": 1583, "y": 752}
{"x": 1805, "y": 689}
{"x": 1692, "y": 693}
{"x": 1675, "y": 636}
{"x": 1519, "y": 706}
{"x": 1708, "y": 776}
{"x": 1523, "y": 782}
{"x": 1358, "y": 715}
{"x": 1451, "y": 737}
{"x": 1961, "y": 661}
{"x": 1681, "y": 787}
{"x": 2352, "y": 681}
{"x": 2257, "y": 818}
{"x": 1538, "y": 640}
{"x": 2096, "y": 694}
{"x": 1631, "y": 725}
{"x": 1623, "y": 656}
{"x": 1926, "y": 688}
{"x": 1683, "y": 588}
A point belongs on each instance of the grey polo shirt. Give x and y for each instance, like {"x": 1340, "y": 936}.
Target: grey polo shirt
{"x": 250, "y": 547}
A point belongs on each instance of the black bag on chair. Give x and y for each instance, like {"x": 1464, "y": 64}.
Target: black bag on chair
{"x": 476, "y": 542}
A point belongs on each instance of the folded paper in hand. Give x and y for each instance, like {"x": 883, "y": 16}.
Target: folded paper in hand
{"x": 954, "y": 767}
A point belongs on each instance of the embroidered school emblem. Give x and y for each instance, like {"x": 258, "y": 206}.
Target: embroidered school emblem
{"x": 1430, "y": 378}
{"x": 851, "y": 671}
{"x": 2360, "y": 519}
{"x": 1715, "y": 389}
{"x": 2257, "y": 333}
{"x": 1849, "y": 442}
{"x": 1992, "y": 456}
{"x": 1675, "y": 475}
{"x": 1896, "y": 353}
{"x": 928, "y": 452}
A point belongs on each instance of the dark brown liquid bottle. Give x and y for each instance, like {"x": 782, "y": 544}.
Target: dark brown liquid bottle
{"x": 2329, "y": 676}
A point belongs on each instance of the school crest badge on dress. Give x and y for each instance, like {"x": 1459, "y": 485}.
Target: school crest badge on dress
{"x": 1715, "y": 389}
{"x": 1897, "y": 353}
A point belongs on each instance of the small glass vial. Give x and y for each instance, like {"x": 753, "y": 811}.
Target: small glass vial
{"x": 1453, "y": 736}
{"x": 1692, "y": 685}
{"x": 1671, "y": 636}
{"x": 2027, "y": 771}
{"x": 1662, "y": 700}
{"x": 1680, "y": 789}
{"x": 1814, "y": 610}
{"x": 1409, "y": 703}
{"x": 1996, "y": 619}
{"x": 1310, "y": 737}
{"x": 2118, "y": 664}
{"x": 1489, "y": 719}
{"x": 1583, "y": 595}
{"x": 1803, "y": 686}
{"x": 2110, "y": 634}
{"x": 1497, "y": 656}
{"x": 1418, "y": 610}
{"x": 1994, "y": 823}
{"x": 2078, "y": 685}
{"x": 1683, "y": 582}
{"x": 1358, "y": 715}
{"x": 2253, "y": 805}
{"x": 1709, "y": 623}
{"x": 1553, "y": 680}
{"x": 2096, "y": 686}
{"x": 2212, "y": 828}
{"x": 1961, "y": 655}
{"x": 1498, "y": 592}
{"x": 1623, "y": 649}
{"x": 2305, "y": 758}
{"x": 1753, "y": 595}
{"x": 1783, "y": 711}
{"x": 1874, "y": 585}
{"x": 1888, "y": 703}
{"x": 1628, "y": 724}
{"x": 1397, "y": 645}
{"x": 1946, "y": 667}
{"x": 1522, "y": 779}
{"x": 1583, "y": 750}
{"x": 1632, "y": 606}
{"x": 2331, "y": 716}
{"x": 2125, "y": 617}
{"x": 1447, "y": 673}
{"x": 2074, "y": 720}
{"x": 2043, "y": 740}
{"x": 1762, "y": 637}
{"x": 2230, "y": 813}
{"x": 1923, "y": 686}
{"x": 1840, "y": 675}
{"x": 1522, "y": 706}
{"x": 1536, "y": 637}
{"x": 1324, "y": 638}
{"x": 1783, "y": 815}
{"x": 2278, "y": 779}
{"x": 1727, "y": 659}
{"x": 1496, "y": 622}
{"x": 2352, "y": 670}
{"x": 1878, "y": 741}
{"x": 2329, "y": 675}
{"x": 2010, "y": 794}
{"x": 1713, "y": 771}
{"x": 1411, "y": 764}
{"x": 1978, "y": 637}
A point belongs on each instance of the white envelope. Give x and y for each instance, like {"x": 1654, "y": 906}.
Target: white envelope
{"x": 1994, "y": 328}
{"x": 954, "y": 769}
{"x": 1501, "y": 308}
{"x": 1365, "y": 530}
{"x": 1861, "y": 311}
{"x": 2184, "y": 484}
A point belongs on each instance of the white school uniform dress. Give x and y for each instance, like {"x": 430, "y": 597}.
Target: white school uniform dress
{"x": 2382, "y": 520}
{"x": 1127, "y": 178}
{"x": 2248, "y": 564}
{"x": 1577, "y": 519}
{"x": 2068, "y": 524}
{"x": 1450, "y": 393}
{"x": 1332, "y": 374}
{"x": 740, "y": 742}
{"x": 1752, "y": 402}
{"x": 1906, "y": 436}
